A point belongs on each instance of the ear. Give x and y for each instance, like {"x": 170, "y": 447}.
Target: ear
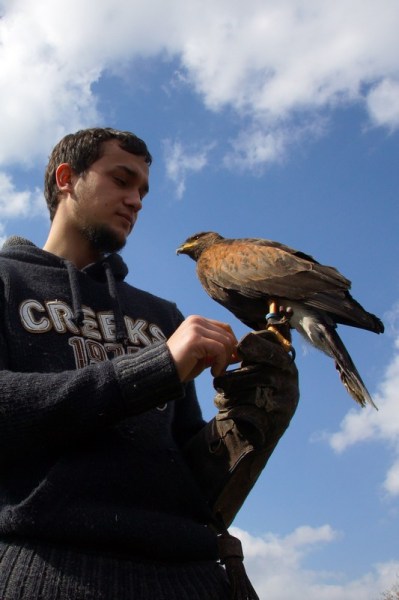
{"x": 63, "y": 177}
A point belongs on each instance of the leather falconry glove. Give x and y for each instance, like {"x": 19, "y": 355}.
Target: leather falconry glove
{"x": 261, "y": 396}
{"x": 256, "y": 403}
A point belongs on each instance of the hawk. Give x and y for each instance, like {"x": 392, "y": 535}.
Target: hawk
{"x": 253, "y": 276}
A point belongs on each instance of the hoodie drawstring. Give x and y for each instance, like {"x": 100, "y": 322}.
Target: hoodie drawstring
{"x": 78, "y": 314}
{"x": 120, "y": 327}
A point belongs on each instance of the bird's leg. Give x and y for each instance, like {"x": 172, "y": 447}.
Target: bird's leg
{"x": 278, "y": 323}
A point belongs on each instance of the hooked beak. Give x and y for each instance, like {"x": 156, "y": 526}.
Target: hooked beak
{"x": 185, "y": 248}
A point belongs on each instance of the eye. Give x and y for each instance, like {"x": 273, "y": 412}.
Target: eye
{"x": 143, "y": 192}
{"x": 119, "y": 181}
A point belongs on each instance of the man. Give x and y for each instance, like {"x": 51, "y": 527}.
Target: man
{"x": 111, "y": 484}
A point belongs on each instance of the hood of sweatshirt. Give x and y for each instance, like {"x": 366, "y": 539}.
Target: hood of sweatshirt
{"x": 24, "y": 250}
{"x": 110, "y": 269}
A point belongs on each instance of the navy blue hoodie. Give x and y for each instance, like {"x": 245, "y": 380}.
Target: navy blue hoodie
{"x": 92, "y": 413}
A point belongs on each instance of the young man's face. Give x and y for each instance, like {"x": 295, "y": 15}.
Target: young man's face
{"x": 108, "y": 196}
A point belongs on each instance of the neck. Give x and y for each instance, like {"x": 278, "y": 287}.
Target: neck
{"x": 71, "y": 246}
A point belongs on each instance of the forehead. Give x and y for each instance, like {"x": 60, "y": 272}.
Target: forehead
{"x": 112, "y": 156}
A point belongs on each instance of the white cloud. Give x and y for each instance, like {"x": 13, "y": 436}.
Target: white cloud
{"x": 275, "y": 565}
{"x": 267, "y": 64}
{"x": 2, "y": 234}
{"x": 383, "y": 103}
{"x": 180, "y": 161}
{"x": 255, "y": 147}
{"x": 291, "y": 55}
{"x": 260, "y": 145}
{"x": 43, "y": 93}
{"x": 368, "y": 424}
{"x": 15, "y": 203}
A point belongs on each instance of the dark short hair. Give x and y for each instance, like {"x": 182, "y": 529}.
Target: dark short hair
{"x": 81, "y": 150}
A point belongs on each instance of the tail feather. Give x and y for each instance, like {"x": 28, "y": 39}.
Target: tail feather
{"x": 346, "y": 368}
{"x": 355, "y": 385}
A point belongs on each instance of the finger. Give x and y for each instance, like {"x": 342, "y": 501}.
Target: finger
{"x": 208, "y": 361}
{"x": 214, "y": 325}
{"x": 235, "y": 358}
{"x": 201, "y": 343}
{"x": 215, "y": 332}
{"x": 215, "y": 352}
{"x": 220, "y": 361}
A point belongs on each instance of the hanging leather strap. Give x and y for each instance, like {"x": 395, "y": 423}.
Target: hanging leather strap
{"x": 232, "y": 557}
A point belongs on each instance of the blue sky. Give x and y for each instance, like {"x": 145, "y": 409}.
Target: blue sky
{"x": 265, "y": 119}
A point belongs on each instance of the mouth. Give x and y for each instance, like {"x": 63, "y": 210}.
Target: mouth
{"x": 129, "y": 219}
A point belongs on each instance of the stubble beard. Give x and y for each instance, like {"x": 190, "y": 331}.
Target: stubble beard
{"x": 103, "y": 239}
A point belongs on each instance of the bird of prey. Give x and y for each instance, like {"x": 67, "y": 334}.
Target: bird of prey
{"x": 251, "y": 276}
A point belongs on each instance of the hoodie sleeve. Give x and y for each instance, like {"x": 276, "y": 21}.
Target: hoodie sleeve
{"x": 42, "y": 409}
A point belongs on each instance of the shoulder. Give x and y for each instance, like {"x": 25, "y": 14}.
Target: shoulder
{"x": 142, "y": 301}
{"x": 146, "y": 296}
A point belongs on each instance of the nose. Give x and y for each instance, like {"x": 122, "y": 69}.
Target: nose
{"x": 133, "y": 200}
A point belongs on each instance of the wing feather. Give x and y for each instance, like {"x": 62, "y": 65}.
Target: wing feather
{"x": 261, "y": 267}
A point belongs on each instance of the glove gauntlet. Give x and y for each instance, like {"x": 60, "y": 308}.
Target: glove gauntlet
{"x": 255, "y": 405}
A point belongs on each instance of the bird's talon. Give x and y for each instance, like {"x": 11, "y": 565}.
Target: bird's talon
{"x": 286, "y": 344}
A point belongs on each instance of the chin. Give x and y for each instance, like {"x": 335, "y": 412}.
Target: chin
{"x": 105, "y": 239}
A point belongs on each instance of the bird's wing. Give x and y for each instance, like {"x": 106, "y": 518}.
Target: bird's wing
{"x": 264, "y": 268}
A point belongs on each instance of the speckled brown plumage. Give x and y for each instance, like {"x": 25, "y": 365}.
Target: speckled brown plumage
{"x": 244, "y": 274}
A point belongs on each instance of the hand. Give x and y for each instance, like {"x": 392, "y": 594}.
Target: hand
{"x": 200, "y": 343}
